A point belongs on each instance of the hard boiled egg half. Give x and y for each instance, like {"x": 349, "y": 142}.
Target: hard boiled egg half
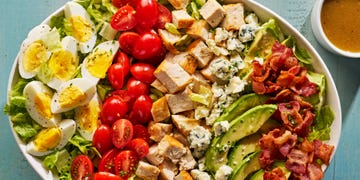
{"x": 83, "y": 29}
{"x": 33, "y": 52}
{"x": 38, "y": 104}
{"x": 71, "y": 94}
{"x": 53, "y": 138}
{"x": 97, "y": 63}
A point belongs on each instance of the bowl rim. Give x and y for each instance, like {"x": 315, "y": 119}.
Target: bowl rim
{"x": 320, "y": 35}
{"x": 264, "y": 14}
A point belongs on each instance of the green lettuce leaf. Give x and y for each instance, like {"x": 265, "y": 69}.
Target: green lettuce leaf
{"x": 300, "y": 53}
{"x": 59, "y": 161}
{"x": 321, "y": 128}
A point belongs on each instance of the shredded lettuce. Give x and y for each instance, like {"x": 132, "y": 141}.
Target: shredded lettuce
{"x": 52, "y": 40}
{"x": 59, "y": 161}
{"x": 300, "y": 53}
{"x": 62, "y": 25}
{"x": 321, "y": 128}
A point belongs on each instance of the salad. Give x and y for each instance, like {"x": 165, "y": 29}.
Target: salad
{"x": 145, "y": 89}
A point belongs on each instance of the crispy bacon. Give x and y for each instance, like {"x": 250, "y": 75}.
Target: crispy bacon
{"x": 297, "y": 161}
{"x": 323, "y": 151}
{"x": 274, "y": 174}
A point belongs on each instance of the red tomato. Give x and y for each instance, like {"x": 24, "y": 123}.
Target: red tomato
{"x": 143, "y": 72}
{"x": 123, "y": 59}
{"x": 81, "y": 168}
{"x": 125, "y": 163}
{"x": 102, "y": 139}
{"x": 124, "y": 19}
{"x": 141, "y": 131}
{"x": 116, "y": 74}
{"x": 156, "y": 60}
{"x": 127, "y": 41}
{"x": 128, "y": 97}
{"x": 136, "y": 87}
{"x": 114, "y": 108}
{"x": 120, "y": 3}
{"x": 122, "y": 132}
{"x": 147, "y": 13}
{"x": 139, "y": 146}
{"x": 106, "y": 176}
{"x": 106, "y": 163}
{"x": 164, "y": 17}
{"x": 147, "y": 46}
{"x": 141, "y": 111}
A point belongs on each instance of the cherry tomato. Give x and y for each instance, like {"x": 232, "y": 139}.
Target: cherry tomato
{"x": 122, "y": 132}
{"x": 136, "y": 87}
{"x": 123, "y": 59}
{"x": 156, "y": 60}
{"x": 106, "y": 163}
{"x": 114, "y": 108}
{"x": 164, "y": 17}
{"x": 116, "y": 74}
{"x": 125, "y": 163}
{"x": 81, "y": 168}
{"x": 143, "y": 72}
{"x": 127, "y": 41}
{"x": 106, "y": 176}
{"x": 102, "y": 139}
{"x": 128, "y": 97}
{"x": 139, "y": 146}
{"x": 141, "y": 131}
{"x": 147, "y": 13}
{"x": 120, "y": 3}
{"x": 124, "y": 19}
{"x": 147, "y": 46}
{"x": 141, "y": 111}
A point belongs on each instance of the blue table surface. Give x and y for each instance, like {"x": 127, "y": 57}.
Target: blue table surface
{"x": 17, "y": 17}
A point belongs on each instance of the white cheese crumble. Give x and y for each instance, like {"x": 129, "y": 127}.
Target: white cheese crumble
{"x": 223, "y": 173}
{"x": 247, "y": 32}
{"x": 235, "y": 85}
{"x": 221, "y": 35}
{"x": 199, "y": 139}
{"x": 252, "y": 19}
{"x": 216, "y": 49}
{"x": 221, "y": 127}
{"x": 200, "y": 175}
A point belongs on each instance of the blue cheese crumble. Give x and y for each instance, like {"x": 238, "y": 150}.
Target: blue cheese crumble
{"x": 223, "y": 173}
{"x": 199, "y": 139}
{"x": 220, "y": 127}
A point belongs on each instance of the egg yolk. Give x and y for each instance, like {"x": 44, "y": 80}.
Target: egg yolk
{"x": 63, "y": 64}
{"x": 34, "y": 56}
{"x": 42, "y": 103}
{"x": 98, "y": 63}
{"x": 47, "y": 139}
{"x": 88, "y": 116}
{"x": 71, "y": 96}
{"x": 81, "y": 28}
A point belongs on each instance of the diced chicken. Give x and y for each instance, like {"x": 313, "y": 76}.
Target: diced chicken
{"x": 167, "y": 164}
{"x": 160, "y": 110}
{"x": 157, "y": 85}
{"x": 206, "y": 72}
{"x": 147, "y": 171}
{"x": 234, "y": 16}
{"x": 171, "y": 148}
{"x": 153, "y": 156}
{"x": 181, "y": 19}
{"x": 181, "y": 138}
{"x": 184, "y": 124}
{"x": 212, "y": 12}
{"x": 199, "y": 29}
{"x": 183, "y": 175}
{"x": 180, "y": 102}
{"x": 107, "y": 32}
{"x": 186, "y": 61}
{"x": 231, "y": 1}
{"x": 166, "y": 174}
{"x": 179, "y": 4}
{"x": 172, "y": 76}
{"x": 187, "y": 162}
{"x": 158, "y": 130}
{"x": 189, "y": 113}
{"x": 201, "y": 52}
{"x": 169, "y": 39}
{"x": 198, "y": 80}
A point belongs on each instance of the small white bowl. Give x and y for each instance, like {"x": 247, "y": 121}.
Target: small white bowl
{"x": 320, "y": 35}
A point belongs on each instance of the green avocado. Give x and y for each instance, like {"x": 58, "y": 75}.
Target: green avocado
{"x": 244, "y": 147}
{"x": 248, "y": 165}
{"x": 258, "y": 175}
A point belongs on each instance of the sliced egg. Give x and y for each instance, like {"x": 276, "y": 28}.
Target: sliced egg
{"x": 97, "y": 63}
{"x": 83, "y": 29}
{"x": 33, "y": 52}
{"x": 53, "y": 138}
{"x": 63, "y": 63}
{"x": 87, "y": 118}
{"x": 71, "y": 94}
{"x": 38, "y": 104}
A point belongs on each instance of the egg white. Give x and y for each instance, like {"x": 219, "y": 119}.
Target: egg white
{"x": 67, "y": 128}
{"x": 30, "y": 92}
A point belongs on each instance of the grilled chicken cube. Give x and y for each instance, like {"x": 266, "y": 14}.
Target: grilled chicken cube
{"x": 187, "y": 162}
{"x": 201, "y": 52}
{"x": 169, "y": 165}
{"x": 160, "y": 110}
{"x": 169, "y": 40}
{"x": 186, "y": 61}
{"x": 234, "y": 17}
{"x": 199, "y": 29}
{"x": 179, "y": 4}
{"x": 147, "y": 171}
{"x": 212, "y": 12}
{"x": 198, "y": 81}
{"x": 183, "y": 175}
{"x": 158, "y": 130}
{"x": 166, "y": 174}
{"x": 157, "y": 85}
{"x": 153, "y": 156}
{"x": 181, "y": 19}
{"x": 180, "y": 102}
{"x": 184, "y": 124}
{"x": 181, "y": 138}
{"x": 171, "y": 148}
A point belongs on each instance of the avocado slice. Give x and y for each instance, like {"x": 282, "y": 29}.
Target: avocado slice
{"x": 244, "y": 147}
{"x": 248, "y": 165}
{"x": 258, "y": 175}
{"x": 246, "y": 124}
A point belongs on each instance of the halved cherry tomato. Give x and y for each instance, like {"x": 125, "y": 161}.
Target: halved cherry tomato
{"x": 123, "y": 59}
{"x": 106, "y": 163}
{"x": 147, "y": 13}
{"x": 141, "y": 131}
{"x": 122, "y": 132}
{"x": 116, "y": 75}
{"x": 136, "y": 88}
{"x": 139, "y": 146}
{"x": 147, "y": 46}
{"x": 81, "y": 168}
{"x": 106, "y": 176}
{"x": 143, "y": 72}
{"x": 129, "y": 98}
{"x": 164, "y": 17}
{"x": 141, "y": 111}
{"x": 127, "y": 41}
{"x": 102, "y": 139}
{"x": 114, "y": 108}
{"x": 120, "y": 3}
{"x": 124, "y": 19}
{"x": 125, "y": 163}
